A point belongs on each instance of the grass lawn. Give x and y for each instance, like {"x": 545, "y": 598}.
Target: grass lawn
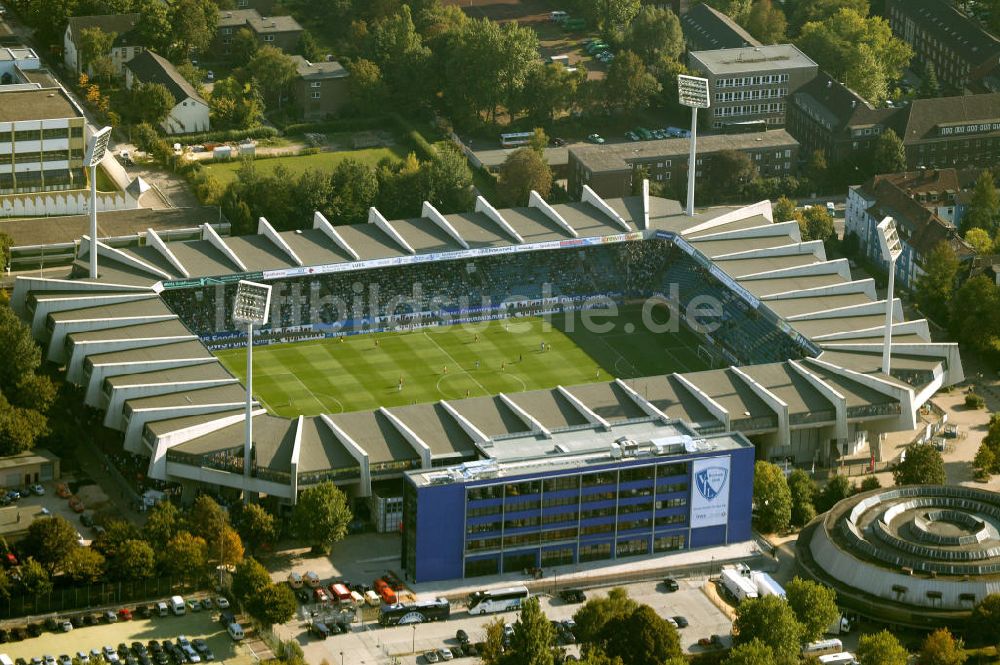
{"x": 356, "y": 373}
{"x": 324, "y": 161}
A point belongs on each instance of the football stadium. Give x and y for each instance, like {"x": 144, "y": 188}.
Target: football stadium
{"x": 534, "y": 386}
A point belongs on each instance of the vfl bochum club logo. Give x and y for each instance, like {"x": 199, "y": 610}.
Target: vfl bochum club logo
{"x": 711, "y": 481}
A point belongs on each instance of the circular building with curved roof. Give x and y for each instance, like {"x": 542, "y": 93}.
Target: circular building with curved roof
{"x": 916, "y": 555}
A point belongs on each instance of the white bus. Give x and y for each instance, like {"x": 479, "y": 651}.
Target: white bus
{"x": 497, "y": 600}
{"x": 515, "y": 139}
{"x": 842, "y": 658}
{"x": 823, "y": 647}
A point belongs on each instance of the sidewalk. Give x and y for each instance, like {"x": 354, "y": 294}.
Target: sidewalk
{"x": 119, "y": 493}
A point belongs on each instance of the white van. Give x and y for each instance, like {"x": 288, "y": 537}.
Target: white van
{"x": 5, "y": 659}
{"x": 294, "y": 580}
{"x": 558, "y": 15}
{"x": 177, "y": 605}
{"x": 372, "y": 598}
{"x": 312, "y": 579}
{"x": 357, "y": 599}
{"x": 235, "y": 631}
{"x": 162, "y": 609}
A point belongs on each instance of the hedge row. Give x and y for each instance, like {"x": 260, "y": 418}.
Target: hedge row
{"x": 224, "y": 135}
{"x": 339, "y": 125}
{"x": 423, "y": 149}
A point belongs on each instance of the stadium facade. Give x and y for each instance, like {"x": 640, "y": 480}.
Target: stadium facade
{"x": 797, "y": 355}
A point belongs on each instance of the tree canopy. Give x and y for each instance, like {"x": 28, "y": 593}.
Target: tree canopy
{"x": 941, "y": 648}
{"x": 984, "y": 208}
{"x": 321, "y": 515}
{"x": 881, "y": 648}
{"x": 814, "y": 605}
{"x": 771, "y": 620}
{"x": 936, "y": 286}
{"x": 923, "y": 466}
{"x": 771, "y": 498}
{"x": 524, "y": 170}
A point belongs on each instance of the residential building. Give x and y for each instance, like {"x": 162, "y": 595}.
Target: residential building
{"x": 41, "y": 141}
{"x": 706, "y": 28}
{"x": 321, "y": 88}
{"x": 611, "y": 170}
{"x": 282, "y": 32}
{"x": 962, "y": 132}
{"x": 826, "y": 115}
{"x": 920, "y": 228}
{"x": 630, "y": 491}
{"x": 125, "y": 45}
{"x": 265, "y": 7}
{"x": 29, "y": 467}
{"x": 751, "y": 85}
{"x": 190, "y": 111}
{"x": 954, "y": 44}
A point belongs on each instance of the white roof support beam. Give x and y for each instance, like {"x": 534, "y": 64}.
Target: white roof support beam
{"x": 645, "y": 204}
{"x": 320, "y": 222}
{"x": 536, "y": 201}
{"x": 814, "y": 247}
{"x": 486, "y": 208}
{"x": 264, "y": 228}
{"x": 837, "y": 400}
{"x": 296, "y": 454}
{"x": 863, "y": 286}
{"x": 713, "y": 407}
{"x": 779, "y": 406}
{"x": 376, "y": 218}
{"x": 355, "y": 451}
{"x": 154, "y": 240}
{"x": 918, "y": 327}
{"x": 945, "y": 352}
{"x": 584, "y": 410}
{"x": 865, "y": 309}
{"x": 790, "y": 229}
{"x": 835, "y": 267}
{"x": 648, "y": 407}
{"x": 422, "y": 449}
{"x": 529, "y": 420}
{"x": 120, "y": 256}
{"x": 591, "y": 197}
{"x": 24, "y": 285}
{"x": 474, "y": 432}
{"x": 212, "y": 236}
{"x": 430, "y": 212}
{"x": 904, "y": 395}
{"x": 762, "y": 208}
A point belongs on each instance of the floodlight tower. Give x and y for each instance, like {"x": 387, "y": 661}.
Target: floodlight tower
{"x": 253, "y": 301}
{"x": 96, "y": 148}
{"x": 693, "y": 92}
{"x": 888, "y": 239}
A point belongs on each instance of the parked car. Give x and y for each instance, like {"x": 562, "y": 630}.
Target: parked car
{"x": 222, "y": 603}
{"x": 202, "y": 648}
{"x": 62, "y": 491}
{"x": 431, "y": 657}
{"x": 86, "y": 519}
{"x": 110, "y": 617}
{"x": 445, "y": 654}
{"x": 206, "y": 603}
{"x": 125, "y": 614}
{"x": 595, "y": 138}
{"x": 462, "y": 637}
{"x": 670, "y": 584}
{"x": 573, "y": 595}
{"x": 83, "y": 657}
{"x": 66, "y": 625}
{"x": 681, "y": 622}
{"x": 194, "y": 605}
{"x": 558, "y": 142}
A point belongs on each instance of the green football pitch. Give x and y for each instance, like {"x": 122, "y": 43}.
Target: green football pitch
{"x": 453, "y": 362}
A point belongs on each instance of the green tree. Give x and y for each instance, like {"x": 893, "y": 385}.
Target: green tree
{"x": 35, "y": 580}
{"x": 244, "y": 47}
{"x": 771, "y": 498}
{"x": 655, "y": 33}
{"x": 150, "y": 102}
{"x": 753, "y": 652}
{"x": 802, "y": 490}
{"x": 984, "y": 207}
{"x": 941, "y": 648}
{"x": 728, "y": 172}
{"x": 153, "y": 29}
{"x": 235, "y": 105}
{"x": 116, "y": 532}
{"x": 194, "y": 23}
{"x": 784, "y": 210}
{"x": 275, "y": 603}
{"x": 50, "y": 541}
{"x": 447, "y": 180}
{"x": 95, "y": 53}
{"x": 134, "y": 560}
{"x": 859, "y": 50}
{"x": 929, "y": 86}
{"x": 162, "y": 522}
{"x": 923, "y": 466}
{"x": 398, "y": 49}
{"x": 985, "y": 619}
{"x": 611, "y": 16}
{"x": 869, "y": 483}
{"x": 368, "y": 89}
{"x": 534, "y": 638}
{"x": 881, "y": 648}
{"x": 837, "y": 488}
{"x": 814, "y": 605}
{"x": 767, "y": 22}
{"x": 274, "y": 71}
{"x": 185, "y": 555}
{"x": 6, "y": 242}
{"x": 771, "y": 620}
{"x": 256, "y": 526}
{"x": 816, "y": 224}
{"x": 321, "y": 516}
{"x": 628, "y": 87}
{"x": 492, "y": 649}
{"x": 84, "y": 565}
{"x": 888, "y": 155}
{"x": 355, "y": 188}
{"x": 25, "y": 395}
{"x": 249, "y": 578}
{"x": 804, "y": 11}
{"x": 524, "y": 170}
{"x": 936, "y": 287}
{"x": 975, "y": 314}
{"x": 595, "y": 613}
{"x": 641, "y": 636}
{"x": 206, "y": 518}
{"x": 980, "y": 240}
{"x": 308, "y": 48}
{"x": 549, "y": 91}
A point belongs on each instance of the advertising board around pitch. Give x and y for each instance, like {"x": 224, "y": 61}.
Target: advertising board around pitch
{"x": 710, "y": 491}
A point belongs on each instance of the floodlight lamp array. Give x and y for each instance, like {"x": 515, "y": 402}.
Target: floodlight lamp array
{"x": 252, "y": 303}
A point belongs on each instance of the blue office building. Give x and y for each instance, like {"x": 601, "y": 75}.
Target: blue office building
{"x": 585, "y": 494}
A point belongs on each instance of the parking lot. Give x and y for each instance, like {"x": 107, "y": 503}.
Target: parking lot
{"x": 201, "y": 625}
{"x": 370, "y": 643}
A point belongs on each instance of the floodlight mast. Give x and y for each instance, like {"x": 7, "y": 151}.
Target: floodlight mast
{"x": 891, "y": 247}
{"x": 251, "y": 307}
{"x": 96, "y": 149}
{"x": 692, "y": 91}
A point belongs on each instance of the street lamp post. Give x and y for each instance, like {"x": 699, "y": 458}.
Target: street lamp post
{"x": 693, "y": 92}
{"x": 251, "y": 308}
{"x": 892, "y": 247}
{"x": 413, "y": 641}
{"x": 96, "y": 149}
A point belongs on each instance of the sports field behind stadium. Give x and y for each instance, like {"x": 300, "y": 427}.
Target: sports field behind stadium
{"x": 449, "y": 362}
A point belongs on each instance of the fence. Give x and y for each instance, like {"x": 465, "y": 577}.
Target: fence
{"x": 88, "y": 598}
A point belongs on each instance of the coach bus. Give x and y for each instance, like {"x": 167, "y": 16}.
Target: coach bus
{"x": 822, "y": 648}
{"x": 497, "y": 600}
{"x": 401, "y": 614}
{"x": 515, "y": 139}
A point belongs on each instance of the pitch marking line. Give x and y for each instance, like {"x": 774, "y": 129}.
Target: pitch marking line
{"x": 620, "y": 358}
{"x": 452, "y": 359}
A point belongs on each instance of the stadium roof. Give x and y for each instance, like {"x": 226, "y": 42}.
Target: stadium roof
{"x": 168, "y": 379}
